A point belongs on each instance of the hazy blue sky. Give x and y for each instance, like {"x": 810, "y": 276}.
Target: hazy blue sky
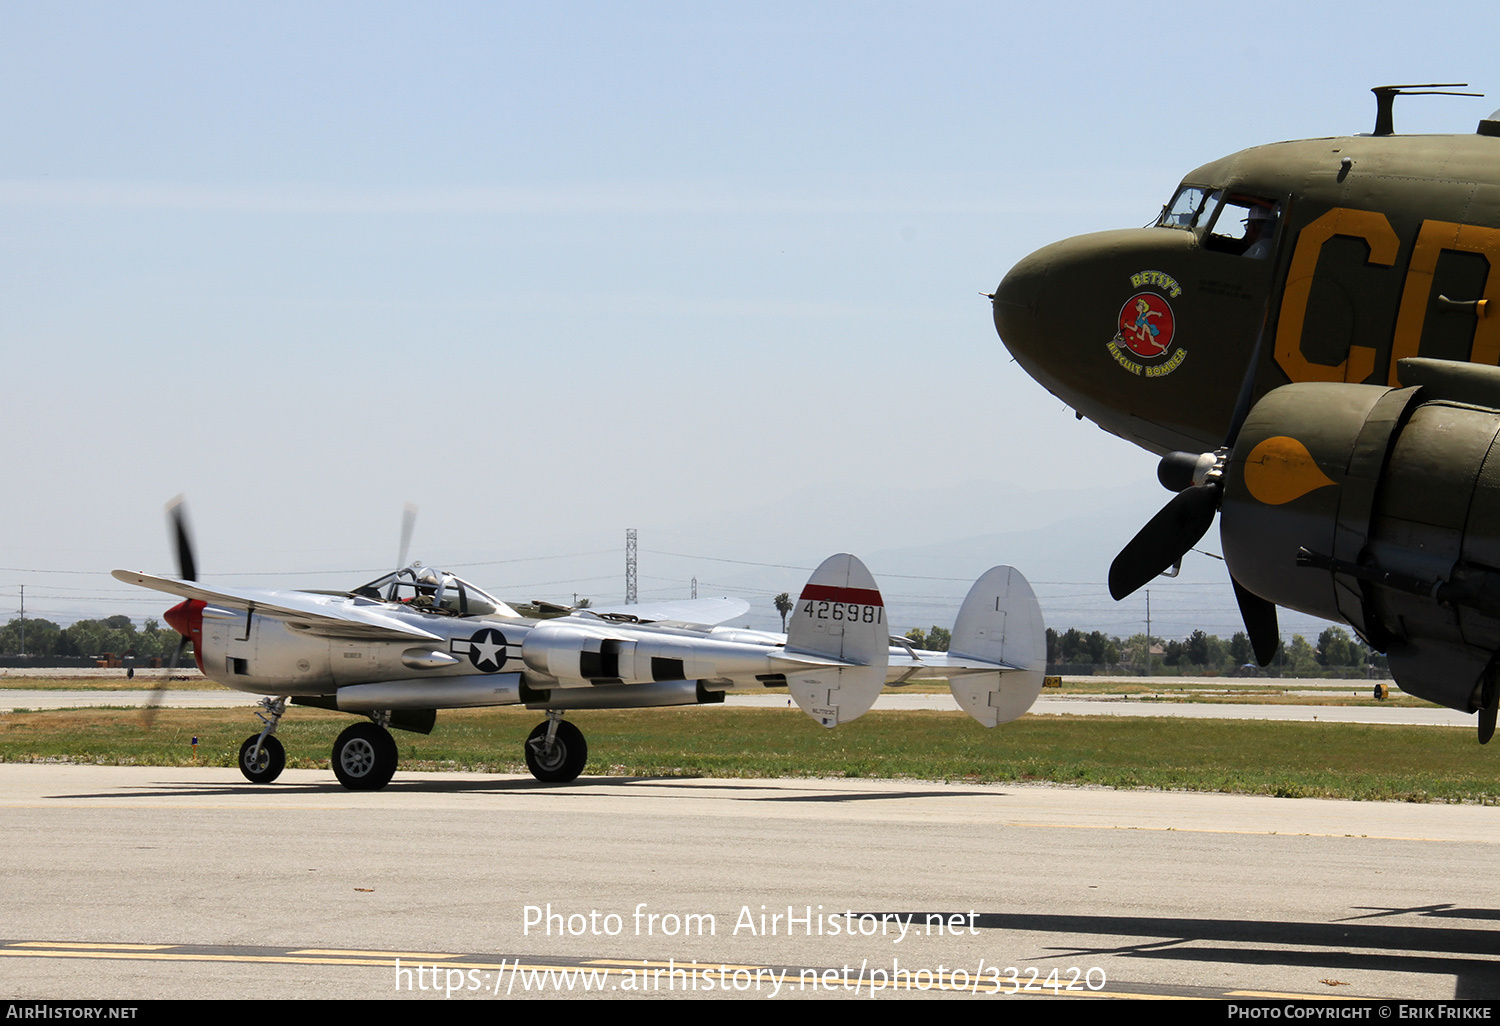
{"x": 552, "y": 270}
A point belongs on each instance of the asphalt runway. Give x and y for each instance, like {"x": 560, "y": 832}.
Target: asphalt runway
{"x": 139, "y": 882}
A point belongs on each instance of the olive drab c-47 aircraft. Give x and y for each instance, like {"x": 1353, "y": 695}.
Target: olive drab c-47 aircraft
{"x": 417, "y": 640}
{"x": 1309, "y": 336}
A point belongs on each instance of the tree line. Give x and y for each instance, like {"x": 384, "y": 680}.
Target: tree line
{"x": 1336, "y": 652}
{"x": 88, "y": 638}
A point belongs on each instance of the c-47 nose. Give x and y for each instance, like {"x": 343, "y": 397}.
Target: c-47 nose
{"x": 1016, "y": 302}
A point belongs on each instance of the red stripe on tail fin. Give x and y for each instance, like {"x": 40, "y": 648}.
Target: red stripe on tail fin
{"x": 828, "y": 593}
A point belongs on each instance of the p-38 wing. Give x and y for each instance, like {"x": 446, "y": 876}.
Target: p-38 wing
{"x": 343, "y": 616}
{"x": 323, "y": 615}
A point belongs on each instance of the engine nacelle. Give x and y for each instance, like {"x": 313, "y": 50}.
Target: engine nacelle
{"x": 1379, "y": 507}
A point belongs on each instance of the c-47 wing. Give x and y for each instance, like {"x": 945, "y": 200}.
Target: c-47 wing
{"x": 324, "y": 615}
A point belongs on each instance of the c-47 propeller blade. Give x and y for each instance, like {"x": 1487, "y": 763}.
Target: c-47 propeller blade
{"x": 1260, "y": 622}
{"x": 1165, "y": 539}
{"x": 1198, "y": 481}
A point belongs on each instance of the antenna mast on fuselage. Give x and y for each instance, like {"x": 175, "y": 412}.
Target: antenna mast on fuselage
{"x": 1385, "y": 99}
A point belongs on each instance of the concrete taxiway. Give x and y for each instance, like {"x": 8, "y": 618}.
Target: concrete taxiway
{"x": 132, "y": 883}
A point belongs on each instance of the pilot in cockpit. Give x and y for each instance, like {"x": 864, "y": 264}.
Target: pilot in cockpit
{"x": 1260, "y": 231}
{"x": 429, "y": 590}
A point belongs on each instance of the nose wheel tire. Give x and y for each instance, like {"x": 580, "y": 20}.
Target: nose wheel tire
{"x": 565, "y": 760}
{"x": 364, "y": 757}
{"x": 268, "y": 762}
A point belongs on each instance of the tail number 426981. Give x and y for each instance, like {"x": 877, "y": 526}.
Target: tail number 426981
{"x": 851, "y": 612}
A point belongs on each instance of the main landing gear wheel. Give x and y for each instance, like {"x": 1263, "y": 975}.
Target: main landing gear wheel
{"x": 564, "y": 762}
{"x": 364, "y": 757}
{"x": 268, "y": 763}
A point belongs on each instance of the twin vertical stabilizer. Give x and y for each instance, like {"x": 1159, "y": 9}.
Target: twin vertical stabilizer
{"x": 994, "y": 664}
{"x": 1000, "y": 622}
{"x": 839, "y": 617}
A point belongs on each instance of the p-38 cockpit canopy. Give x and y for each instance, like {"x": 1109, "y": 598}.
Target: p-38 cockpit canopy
{"x": 430, "y": 590}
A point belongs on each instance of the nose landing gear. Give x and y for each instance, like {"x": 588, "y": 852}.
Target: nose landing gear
{"x": 262, "y": 757}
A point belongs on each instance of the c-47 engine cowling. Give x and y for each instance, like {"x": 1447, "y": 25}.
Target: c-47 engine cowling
{"x": 1380, "y": 507}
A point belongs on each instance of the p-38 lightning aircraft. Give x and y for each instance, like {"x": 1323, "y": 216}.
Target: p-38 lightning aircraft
{"x": 1305, "y": 334}
{"x": 417, "y": 640}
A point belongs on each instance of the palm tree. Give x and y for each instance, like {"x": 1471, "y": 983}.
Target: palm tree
{"x": 783, "y": 606}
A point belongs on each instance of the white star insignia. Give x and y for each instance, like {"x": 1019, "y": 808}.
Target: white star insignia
{"x": 486, "y": 649}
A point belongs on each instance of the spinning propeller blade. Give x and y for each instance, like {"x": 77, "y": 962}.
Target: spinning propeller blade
{"x": 187, "y": 569}
{"x": 408, "y": 524}
{"x": 187, "y": 566}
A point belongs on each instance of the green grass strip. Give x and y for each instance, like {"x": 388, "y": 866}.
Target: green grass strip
{"x": 1323, "y": 760}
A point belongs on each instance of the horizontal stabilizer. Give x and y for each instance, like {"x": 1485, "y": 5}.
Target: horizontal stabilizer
{"x": 839, "y": 619}
{"x": 1000, "y": 623}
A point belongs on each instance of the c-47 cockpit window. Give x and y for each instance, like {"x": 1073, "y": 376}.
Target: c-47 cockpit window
{"x": 1245, "y": 225}
{"x": 1184, "y": 208}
